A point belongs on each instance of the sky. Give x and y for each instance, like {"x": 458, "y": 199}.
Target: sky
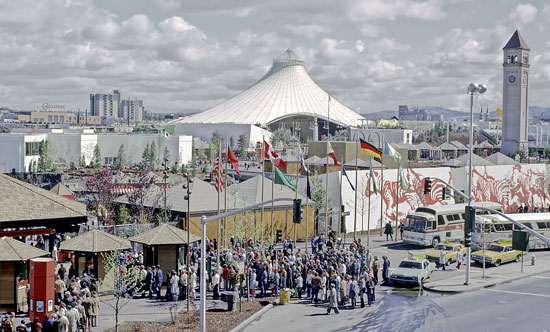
{"x": 188, "y": 55}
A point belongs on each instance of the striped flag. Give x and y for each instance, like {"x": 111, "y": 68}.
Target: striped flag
{"x": 218, "y": 184}
{"x": 373, "y": 180}
{"x": 370, "y": 149}
{"x": 332, "y": 154}
{"x": 346, "y": 175}
{"x": 389, "y": 150}
{"x": 404, "y": 183}
{"x": 308, "y": 188}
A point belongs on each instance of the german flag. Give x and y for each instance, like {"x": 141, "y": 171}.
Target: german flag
{"x": 370, "y": 149}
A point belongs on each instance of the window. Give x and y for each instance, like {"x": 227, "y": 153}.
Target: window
{"x": 429, "y": 224}
{"x": 542, "y": 225}
{"x": 527, "y": 224}
{"x": 499, "y": 227}
{"x": 440, "y": 220}
{"x": 508, "y": 227}
{"x": 450, "y": 217}
{"x": 463, "y": 216}
{"x": 49, "y": 118}
{"x": 31, "y": 148}
{"x": 457, "y": 217}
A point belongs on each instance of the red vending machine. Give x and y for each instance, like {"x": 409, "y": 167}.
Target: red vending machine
{"x": 42, "y": 291}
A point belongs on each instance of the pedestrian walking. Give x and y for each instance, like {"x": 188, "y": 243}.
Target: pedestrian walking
{"x": 458, "y": 259}
{"x": 386, "y": 269}
{"x": 442, "y": 258}
{"x": 332, "y": 301}
{"x": 353, "y": 291}
{"x": 174, "y": 283}
{"x": 388, "y": 231}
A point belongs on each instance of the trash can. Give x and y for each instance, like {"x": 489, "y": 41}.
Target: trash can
{"x": 230, "y": 298}
{"x": 284, "y": 296}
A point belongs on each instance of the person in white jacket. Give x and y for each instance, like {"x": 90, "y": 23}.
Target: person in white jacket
{"x": 174, "y": 282}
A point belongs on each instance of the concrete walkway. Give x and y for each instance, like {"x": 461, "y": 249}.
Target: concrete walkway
{"x": 493, "y": 275}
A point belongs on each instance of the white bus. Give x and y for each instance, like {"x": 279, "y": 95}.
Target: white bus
{"x": 496, "y": 227}
{"x": 430, "y": 225}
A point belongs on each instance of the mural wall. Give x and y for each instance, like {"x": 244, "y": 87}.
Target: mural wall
{"x": 509, "y": 185}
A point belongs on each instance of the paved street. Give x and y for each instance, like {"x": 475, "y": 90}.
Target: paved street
{"x": 517, "y": 306}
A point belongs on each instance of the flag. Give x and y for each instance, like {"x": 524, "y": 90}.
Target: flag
{"x": 346, "y": 175}
{"x": 308, "y": 188}
{"x": 301, "y": 157}
{"x": 280, "y": 178}
{"x": 330, "y": 153}
{"x": 273, "y": 156}
{"x": 404, "y": 183}
{"x": 373, "y": 180}
{"x": 218, "y": 184}
{"x": 233, "y": 159}
{"x": 370, "y": 149}
{"x": 389, "y": 150}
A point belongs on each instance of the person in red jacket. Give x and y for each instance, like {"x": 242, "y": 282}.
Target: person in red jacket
{"x": 225, "y": 275}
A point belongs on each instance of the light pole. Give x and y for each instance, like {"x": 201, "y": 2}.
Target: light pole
{"x": 187, "y": 187}
{"x": 473, "y": 89}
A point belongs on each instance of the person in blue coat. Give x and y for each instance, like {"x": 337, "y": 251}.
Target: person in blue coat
{"x": 159, "y": 278}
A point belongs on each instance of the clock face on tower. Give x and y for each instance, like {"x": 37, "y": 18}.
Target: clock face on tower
{"x": 511, "y": 79}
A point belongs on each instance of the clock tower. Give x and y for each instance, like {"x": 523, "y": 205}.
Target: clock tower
{"x": 515, "y": 86}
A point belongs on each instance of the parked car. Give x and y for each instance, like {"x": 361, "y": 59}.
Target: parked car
{"x": 498, "y": 252}
{"x": 412, "y": 272}
{"x": 451, "y": 249}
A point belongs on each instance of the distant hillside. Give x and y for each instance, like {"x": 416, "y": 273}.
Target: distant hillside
{"x": 449, "y": 114}
{"x": 431, "y": 110}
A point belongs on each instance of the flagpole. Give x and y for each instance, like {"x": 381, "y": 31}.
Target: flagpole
{"x": 224, "y": 223}
{"x": 218, "y": 222}
{"x": 381, "y": 141}
{"x": 355, "y": 204}
{"x": 307, "y": 206}
{"x": 326, "y": 184}
{"x": 340, "y": 204}
{"x": 272, "y": 194}
{"x": 298, "y": 163}
{"x": 262, "y": 158}
{"x": 397, "y": 201}
{"x": 368, "y": 218}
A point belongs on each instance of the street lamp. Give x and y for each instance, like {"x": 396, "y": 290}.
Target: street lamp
{"x": 473, "y": 89}
{"x": 187, "y": 186}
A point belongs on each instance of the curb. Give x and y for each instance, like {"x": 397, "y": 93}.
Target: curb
{"x": 254, "y": 316}
{"x": 487, "y": 285}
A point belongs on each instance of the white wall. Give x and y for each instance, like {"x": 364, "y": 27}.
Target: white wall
{"x": 12, "y": 153}
{"x": 205, "y": 130}
{"x": 390, "y": 135}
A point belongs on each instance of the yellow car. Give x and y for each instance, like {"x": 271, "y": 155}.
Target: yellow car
{"x": 451, "y": 249}
{"x": 498, "y": 252}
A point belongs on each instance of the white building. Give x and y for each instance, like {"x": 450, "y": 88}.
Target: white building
{"x": 66, "y": 146}
{"x": 390, "y": 135}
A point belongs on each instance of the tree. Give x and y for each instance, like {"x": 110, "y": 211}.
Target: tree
{"x": 120, "y": 161}
{"x": 72, "y": 166}
{"x": 242, "y": 144}
{"x": 102, "y": 197}
{"x": 123, "y": 215}
{"x": 318, "y": 195}
{"x": 125, "y": 279}
{"x": 153, "y": 156}
{"x": 44, "y": 161}
{"x": 97, "y": 161}
{"x": 282, "y": 137}
{"x": 145, "y": 197}
{"x": 232, "y": 142}
{"x": 82, "y": 161}
{"x": 547, "y": 151}
{"x": 145, "y": 162}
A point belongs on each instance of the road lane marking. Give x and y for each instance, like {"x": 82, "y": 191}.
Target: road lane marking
{"x": 513, "y": 292}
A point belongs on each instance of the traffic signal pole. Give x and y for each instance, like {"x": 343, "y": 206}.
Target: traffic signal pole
{"x": 202, "y": 268}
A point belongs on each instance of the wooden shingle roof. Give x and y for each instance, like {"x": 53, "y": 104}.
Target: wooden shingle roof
{"x": 95, "y": 241}
{"x": 12, "y": 250}
{"x": 164, "y": 234}
{"x": 22, "y": 201}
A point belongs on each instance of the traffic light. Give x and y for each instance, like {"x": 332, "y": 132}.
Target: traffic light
{"x": 470, "y": 216}
{"x": 278, "y": 235}
{"x": 427, "y": 185}
{"x": 446, "y": 193}
{"x": 297, "y": 211}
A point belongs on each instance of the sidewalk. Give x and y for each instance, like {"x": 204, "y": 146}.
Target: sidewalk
{"x": 493, "y": 275}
